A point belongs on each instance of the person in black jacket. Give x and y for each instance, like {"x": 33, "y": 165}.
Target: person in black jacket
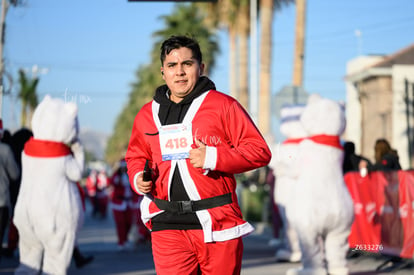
{"x": 386, "y": 158}
{"x": 352, "y": 161}
{"x": 9, "y": 173}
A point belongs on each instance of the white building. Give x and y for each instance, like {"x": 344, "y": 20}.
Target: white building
{"x": 380, "y": 103}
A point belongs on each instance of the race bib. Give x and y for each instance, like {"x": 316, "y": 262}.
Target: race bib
{"x": 175, "y": 141}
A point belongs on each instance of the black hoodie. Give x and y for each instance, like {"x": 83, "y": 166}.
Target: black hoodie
{"x": 171, "y": 113}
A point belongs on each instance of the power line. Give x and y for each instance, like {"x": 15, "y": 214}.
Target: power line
{"x": 347, "y": 32}
{"x": 83, "y": 94}
{"x": 70, "y": 67}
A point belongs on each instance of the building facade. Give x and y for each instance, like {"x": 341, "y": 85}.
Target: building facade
{"x": 380, "y": 103}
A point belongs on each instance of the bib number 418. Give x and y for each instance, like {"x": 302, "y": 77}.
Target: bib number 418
{"x": 176, "y": 143}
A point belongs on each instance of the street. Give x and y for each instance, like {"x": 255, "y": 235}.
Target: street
{"x": 98, "y": 238}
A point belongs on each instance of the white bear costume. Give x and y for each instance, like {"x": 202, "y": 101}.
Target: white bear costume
{"x": 49, "y": 210}
{"x": 323, "y": 208}
{"x": 284, "y": 161}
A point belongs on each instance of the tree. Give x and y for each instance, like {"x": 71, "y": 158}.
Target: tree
{"x": 243, "y": 31}
{"x": 184, "y": 20}
{"x": 299, "y": 43}
{"x": 223, "y": 14}
{"x": 3, "y": 13}
{"x": 234, "y": 15}
{"x": 267, "y": 9}
{"x": 28, "y": 97}
{"x": 189, "y": 20}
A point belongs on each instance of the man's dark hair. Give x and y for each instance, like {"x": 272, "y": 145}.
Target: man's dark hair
{"x": 179, "y": 41}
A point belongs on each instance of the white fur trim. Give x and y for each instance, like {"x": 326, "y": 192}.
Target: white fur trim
{"x": 145, "y": 214}
{"x": 188, "y": 182}
{"x": 210, "y": 161}
{"x": 155, "y": 108}
{"x": 195, "y": 105}
{"x": 135, "y": 182}
{"x": 170, "y": 176}
{"x": 232, "y": 233}
{"x": 206, "y": 224}
{"x": 190, "y": 187}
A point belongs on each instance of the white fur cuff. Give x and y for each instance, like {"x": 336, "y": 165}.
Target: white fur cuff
{"x": 211, "y": 158}
{"x": 135, "y": 183}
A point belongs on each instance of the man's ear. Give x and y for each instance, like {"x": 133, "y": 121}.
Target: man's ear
{"x": 201, "y": 69}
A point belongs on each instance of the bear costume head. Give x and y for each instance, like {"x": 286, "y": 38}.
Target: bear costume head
{"x": 292, "y": 129}
{"x": 55, "y": 120}
{"x": 323, "y": 116}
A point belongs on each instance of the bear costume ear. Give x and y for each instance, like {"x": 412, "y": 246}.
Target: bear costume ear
{"x": 47, "y": 98}
{"x": 39, "y": 113}
{"x": 314, "y": 98}
{"x": 342, "y": 104}
{"x": 71, "y": 108}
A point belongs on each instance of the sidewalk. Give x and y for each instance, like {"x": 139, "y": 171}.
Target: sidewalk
{"x": 98, "y": 238}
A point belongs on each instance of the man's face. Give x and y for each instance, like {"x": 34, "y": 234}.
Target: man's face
{"x": 181, "y": 72}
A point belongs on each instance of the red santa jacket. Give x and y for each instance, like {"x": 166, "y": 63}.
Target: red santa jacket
{"x": 234, "y": 145}
{"x": 91, "y": 184}
{"x": 122, "y": 196}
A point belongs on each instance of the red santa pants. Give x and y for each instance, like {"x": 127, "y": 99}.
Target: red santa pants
{"x": 123, "y": 222}
{"x": 185, "y": 252}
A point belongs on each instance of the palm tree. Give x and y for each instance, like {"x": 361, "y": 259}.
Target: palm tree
{"x": 148, "y": 77}
{"x": 235, "y": 17}
{"x": 243, "y": 31}
{"x": 185, "y": 19}
{"x": 189, "y": 20}
{"x": 28, "y": 97}
{"x": 267, "y": 8}
{"x": 223, "y": 14}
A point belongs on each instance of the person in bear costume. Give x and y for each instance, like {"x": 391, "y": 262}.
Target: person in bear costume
{"x": 49, "y": 211}
{"x": 284, "y": 162}
{"x": 322, "y": 209}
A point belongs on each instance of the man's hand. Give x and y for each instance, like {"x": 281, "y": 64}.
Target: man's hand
{"x": 143, "y": 186}
{"x": 362, "y": 164}
{"x": 198, "y": 155}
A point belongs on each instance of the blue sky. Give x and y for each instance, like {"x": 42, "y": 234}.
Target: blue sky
{"x": 88, "y": 51}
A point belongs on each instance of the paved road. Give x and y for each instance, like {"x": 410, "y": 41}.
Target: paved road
{"x": 98, "y": 238}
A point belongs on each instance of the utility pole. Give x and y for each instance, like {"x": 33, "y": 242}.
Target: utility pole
{"x": 4, "y": 7}
{"x": 407, "y": 116}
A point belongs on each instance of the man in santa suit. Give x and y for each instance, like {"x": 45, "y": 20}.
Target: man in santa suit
{"x": 195, "y": 139}
{"x": 90, "y": 184}
{"x": 124, "y": 204}
{"x": 102, "y": 193}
